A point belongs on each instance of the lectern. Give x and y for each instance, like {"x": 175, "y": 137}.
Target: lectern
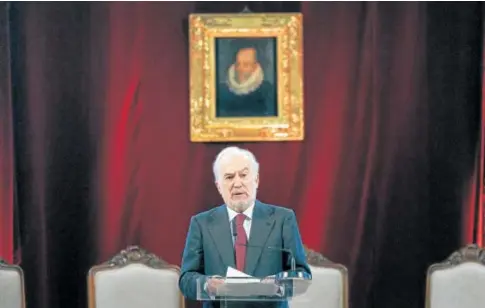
{"x": 244, "y": 289}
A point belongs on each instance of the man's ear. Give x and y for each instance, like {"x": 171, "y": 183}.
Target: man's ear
{"x": 218, "y": 186}
{"x": 257, "y": 179}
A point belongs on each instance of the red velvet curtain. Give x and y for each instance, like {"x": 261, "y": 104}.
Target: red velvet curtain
{"x": 356, "y": 183}
{"x": 363, "y": 83}
{"x": 480, "y": 181}
{"x": 6, "y": 144}
{"x": 101, "y": 111}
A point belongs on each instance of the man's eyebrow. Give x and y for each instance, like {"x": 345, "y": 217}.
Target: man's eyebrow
{"x": 232, "y": 173}
{"x": 243, "y": 170}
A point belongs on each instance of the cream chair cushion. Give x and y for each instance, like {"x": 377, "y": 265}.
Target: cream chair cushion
{"x": 11, "y": 287}
{"x": 458, "y": 287}
{"x": 328, "y": 288}
{"x": 135, "y": 278}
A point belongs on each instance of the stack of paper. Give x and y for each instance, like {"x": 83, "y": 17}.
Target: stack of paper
{"x": 239, "y": 284}
{"x": 235, "y": 276}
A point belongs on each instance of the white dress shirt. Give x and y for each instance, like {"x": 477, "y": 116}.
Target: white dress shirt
{"x": 247, "y": 223}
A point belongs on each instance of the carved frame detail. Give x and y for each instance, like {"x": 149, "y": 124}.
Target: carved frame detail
{"x": 470, "y": 253}
{"x": 317, "y": 259}
{"x": 288, "y": 30}
{"x": 4, "y": 266}
{"x": 127, "y": 256}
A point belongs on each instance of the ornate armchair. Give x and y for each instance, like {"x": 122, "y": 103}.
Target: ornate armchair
{"x": 12, "y": 292}
{"x": 134, "y": 278}
{"x": 329, "y": 287}
{"x": 458, "y": 281}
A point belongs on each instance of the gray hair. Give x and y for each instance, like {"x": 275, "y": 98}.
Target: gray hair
{"x": 232, "y": 151}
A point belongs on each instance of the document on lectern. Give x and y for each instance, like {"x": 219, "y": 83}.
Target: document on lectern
{"x": 238, "y": 284}
{"x": 235, "y": 276}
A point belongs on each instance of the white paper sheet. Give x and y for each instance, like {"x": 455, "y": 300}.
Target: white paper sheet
{"x": 237, "y": 275}
{"x": 234, "y": 273}
{"x": 238, "y": 283}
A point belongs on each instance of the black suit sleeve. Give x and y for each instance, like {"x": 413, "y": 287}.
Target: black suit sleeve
{"x": 192, "y": 261}
{"x": 292, "y": 241}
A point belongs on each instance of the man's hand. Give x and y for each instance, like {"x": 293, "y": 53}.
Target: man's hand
{"x": 213, "y": 283}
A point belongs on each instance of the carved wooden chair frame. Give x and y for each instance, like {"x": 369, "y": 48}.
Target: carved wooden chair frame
{"x": 468, "y": 254}
{"x": 130, "y": 255}
{"x": 4, "y": 266}
{"x": 316, "y": 259}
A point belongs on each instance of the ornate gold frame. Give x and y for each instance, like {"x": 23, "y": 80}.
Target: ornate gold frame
{"x": 470, "y": 253}
{"x": 4, "y": 266}
{"x": 130, "y": 255}
{"x": 316, "y": 259}
{"x": 289, "y": 124}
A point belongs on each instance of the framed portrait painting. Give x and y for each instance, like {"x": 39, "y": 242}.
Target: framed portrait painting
{"x": 246, "y": 77}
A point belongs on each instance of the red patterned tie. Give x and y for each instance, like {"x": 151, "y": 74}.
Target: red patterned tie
{"x": 241, "y": 241}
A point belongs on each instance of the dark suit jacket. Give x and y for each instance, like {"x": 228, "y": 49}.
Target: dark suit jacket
{"x": 209, "y": 248}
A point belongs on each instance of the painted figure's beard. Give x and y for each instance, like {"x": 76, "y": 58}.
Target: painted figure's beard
{"x": 242, "y": 77}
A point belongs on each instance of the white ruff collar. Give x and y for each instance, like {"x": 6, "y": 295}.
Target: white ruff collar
{"x": 250, "y": 85}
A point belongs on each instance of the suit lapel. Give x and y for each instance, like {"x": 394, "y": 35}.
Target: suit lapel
{"x": 261, "y": 227}
{"x": 221, "y": 234}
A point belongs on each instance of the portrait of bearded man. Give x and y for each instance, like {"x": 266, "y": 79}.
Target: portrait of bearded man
{"x": 244, "y": 90}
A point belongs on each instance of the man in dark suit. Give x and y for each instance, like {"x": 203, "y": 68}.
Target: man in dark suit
{"x": 238, "y": 233}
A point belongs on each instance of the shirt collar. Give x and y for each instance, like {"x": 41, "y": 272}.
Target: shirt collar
{"x": 248, "y": 212}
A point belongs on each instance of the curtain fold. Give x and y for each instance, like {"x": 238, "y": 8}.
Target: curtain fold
{"x": 9, "y": 239}
{"x": 480, "y": 173}
{"x": 103, "y": 159}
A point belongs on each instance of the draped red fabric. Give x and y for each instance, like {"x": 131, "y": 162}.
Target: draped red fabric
{"x": 366, "y": 152}
{"x": 6, "y": 145}
{"x": 344, "y": 106}
{"x": 101, "y": 96}
{"x": 472, "y": 221}
{"x": 474, "y": 211}
{"x": 480, "y": 183}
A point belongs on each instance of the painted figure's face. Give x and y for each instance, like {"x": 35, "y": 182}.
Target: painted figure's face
{"x": 246, "y": 64}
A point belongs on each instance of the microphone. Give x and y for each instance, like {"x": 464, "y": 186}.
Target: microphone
{"x": 292, "y": 273}
{"x": 234, "y": 229}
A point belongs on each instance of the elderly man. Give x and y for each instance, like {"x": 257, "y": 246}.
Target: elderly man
{"x": 246, "y": 93}
{"x": 238, "y": 233}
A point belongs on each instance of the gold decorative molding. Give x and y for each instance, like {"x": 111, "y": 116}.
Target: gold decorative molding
{"x": 135, "y": 254}
{"x": 288, "y": 124}
{"x": 469, "y": 253}
{"x": 315, "y": 258}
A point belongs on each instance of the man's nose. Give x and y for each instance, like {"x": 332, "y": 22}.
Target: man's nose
{"x": 237, "y": 182}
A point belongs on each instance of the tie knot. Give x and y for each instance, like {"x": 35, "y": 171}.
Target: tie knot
{"x": 240, "y": 218}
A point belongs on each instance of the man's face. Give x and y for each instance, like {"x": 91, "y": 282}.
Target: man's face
{"x": 245, "y": 63}
{"x": 237, "y": 182}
